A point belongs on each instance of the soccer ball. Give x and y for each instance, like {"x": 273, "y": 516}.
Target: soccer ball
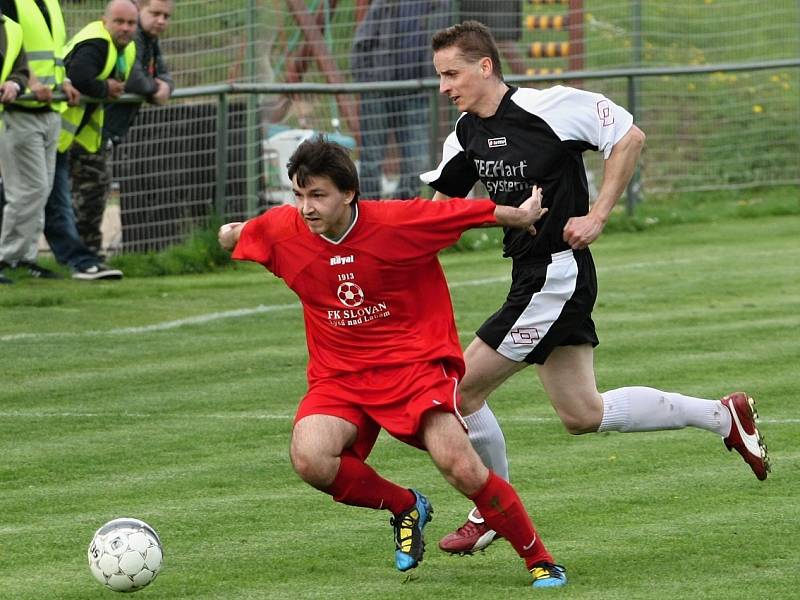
{"x": 125, "y": 554}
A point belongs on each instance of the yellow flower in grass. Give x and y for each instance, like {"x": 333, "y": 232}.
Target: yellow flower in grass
{"x": 758, "y": 109}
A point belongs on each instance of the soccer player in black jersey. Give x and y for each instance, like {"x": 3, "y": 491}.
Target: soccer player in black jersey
{"x": 512, "y": 139}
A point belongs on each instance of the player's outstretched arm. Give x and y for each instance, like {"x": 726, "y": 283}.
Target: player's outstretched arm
{"x": 524, "y": 216}
{"x": 228, "y": 235}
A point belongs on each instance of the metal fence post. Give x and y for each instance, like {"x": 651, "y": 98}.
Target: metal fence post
{"x": 222, "y": 155}
{"x": 252, "y": 151}
{"x": 632, "y": 194}
{"x": 433, "y": 129}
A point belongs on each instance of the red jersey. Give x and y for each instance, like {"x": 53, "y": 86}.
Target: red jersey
{"x": 378, "y": 296}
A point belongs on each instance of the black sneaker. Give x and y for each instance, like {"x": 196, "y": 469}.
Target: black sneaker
{"x": 3, "y": 279}
{"x": 97, "y": 272}
{"x": 39, "y": 271}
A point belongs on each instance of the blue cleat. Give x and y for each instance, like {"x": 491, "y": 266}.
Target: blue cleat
{"x": 408, "y": 537}
{"x": 548, "y": 575}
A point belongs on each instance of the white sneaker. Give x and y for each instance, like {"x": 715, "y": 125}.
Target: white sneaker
{"x": 97, "y": 272}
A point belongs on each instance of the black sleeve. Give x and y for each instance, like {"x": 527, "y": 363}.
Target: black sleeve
{"x": 9, "y": 9}
{"x": 84, "y": 64}
{"x": 20, "y": 73}
{"x": 455, "y": 174}
{"x": 149, "y": 65}
{"x": 139, "y": 80}
{"x": 162, "y": 71}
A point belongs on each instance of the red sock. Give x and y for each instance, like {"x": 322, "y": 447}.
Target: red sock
{"x": 504, "y": 512}
{"x": 357, "y": 484}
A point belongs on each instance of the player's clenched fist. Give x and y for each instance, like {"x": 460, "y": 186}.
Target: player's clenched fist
{"x": 228, "y": 235}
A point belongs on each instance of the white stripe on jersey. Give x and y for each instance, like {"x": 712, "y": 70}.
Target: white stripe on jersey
{"x": 575, "y": 114}
{"x": 543, "y": 309}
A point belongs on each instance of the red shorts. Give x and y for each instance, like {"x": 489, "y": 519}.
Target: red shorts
{"x": 394, "y": 398}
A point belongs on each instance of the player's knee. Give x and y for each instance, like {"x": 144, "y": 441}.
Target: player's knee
{"x": 580, "y": 412}
{"x": 579, "y": 423}
{"x": 472, "y": 397}
{"x": 465, "y": 472}
{"x": 310, "y": 467}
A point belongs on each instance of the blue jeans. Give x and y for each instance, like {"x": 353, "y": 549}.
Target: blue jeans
{"x": 59, "y": 222}
{"x": 407, "y": 115}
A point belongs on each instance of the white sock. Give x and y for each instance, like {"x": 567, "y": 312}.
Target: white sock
{"x": 487, "y": 438}
{"x": 646, "y": 409}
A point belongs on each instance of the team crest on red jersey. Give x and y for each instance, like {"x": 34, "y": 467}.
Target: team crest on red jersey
{"x": 350, "y": 294}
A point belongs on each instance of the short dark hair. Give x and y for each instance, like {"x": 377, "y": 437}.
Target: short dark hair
{"x": 318, "y": 157}
{"x": 474, "y": 41}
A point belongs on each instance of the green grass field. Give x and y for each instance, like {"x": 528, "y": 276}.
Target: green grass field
{"x": 170, "y": 399}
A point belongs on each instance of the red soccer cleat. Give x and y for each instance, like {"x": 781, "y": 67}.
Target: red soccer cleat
{"x": 744, "y": 436}
{"x": 472, "y": 536}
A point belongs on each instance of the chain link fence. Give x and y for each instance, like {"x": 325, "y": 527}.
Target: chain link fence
{"x": 721, "y": 113}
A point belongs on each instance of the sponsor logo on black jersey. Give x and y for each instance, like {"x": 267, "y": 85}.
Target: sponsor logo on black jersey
{"x": 502, "y": 176}
{"x": 500, "y": 168}
{"x": 497, "y": 142}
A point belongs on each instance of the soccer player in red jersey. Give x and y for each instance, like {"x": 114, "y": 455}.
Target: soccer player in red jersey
{"x": 382, "y": 343}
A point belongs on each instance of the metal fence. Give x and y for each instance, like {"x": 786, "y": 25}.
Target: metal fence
{"x": 714, "y": 84}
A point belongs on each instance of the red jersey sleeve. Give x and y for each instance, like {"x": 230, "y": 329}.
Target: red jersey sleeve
{"x": 422, "y": 228}
{"x": 260, "y": 234}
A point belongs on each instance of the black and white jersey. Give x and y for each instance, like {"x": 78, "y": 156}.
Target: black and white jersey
{"x": 536, "y": 137}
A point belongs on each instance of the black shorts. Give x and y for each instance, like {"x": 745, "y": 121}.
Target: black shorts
{"x": 548, "y": 305}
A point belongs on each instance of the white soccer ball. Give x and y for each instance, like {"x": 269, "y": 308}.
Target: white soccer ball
{"x": 125, "y": 554}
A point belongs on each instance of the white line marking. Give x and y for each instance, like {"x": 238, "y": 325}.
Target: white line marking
{"x": 32, "y": 414}
{"x": 200, "y": 319}
{"x": 246, "y": 312}
{"x": 163, "y": 326}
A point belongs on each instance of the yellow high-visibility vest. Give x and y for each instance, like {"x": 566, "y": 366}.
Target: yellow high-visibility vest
{"x": 43, "y": 48}
{"x": 13, "y": 48}
{"x": 90, "y": 134}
